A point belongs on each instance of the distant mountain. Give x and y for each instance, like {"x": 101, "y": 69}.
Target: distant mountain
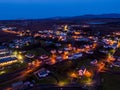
{"x": 81, "y": 17}
{"x": 89, "y": 16}
{"x": 101, "y": 16}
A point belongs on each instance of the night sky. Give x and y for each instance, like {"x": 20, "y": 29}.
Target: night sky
{"x": 26, "y": 9}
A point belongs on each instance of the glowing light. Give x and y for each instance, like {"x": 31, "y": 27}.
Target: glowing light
{"x": 73, "y": 75}
{"x": 65, "y": 57}
{"x": 69, "y": 45}
{"x": 77, "y": 33}
{"x": 8, "y": 63}
{"x": 53, "y": 51}
{"x": 78, "y": 50}
{"x": 21, "y": 61}
{"x": 10, "y": 31}
{"x": 53, "y": 60}
{"x": 15, "y": 53}
{"x": 94, "y": 45}
{"x": 101, "y": 67}
{"x": 20, "y": 57}
{"x": 66, "y": 53}
{"x": 110, "y": 59}
{"x": 62, "y": 83}
{"x": 89, "y": 82}
{"x": 20, "y": 52}
{"x": 88, "y": 74}
{"x": 60, "y": 51}
{"x": 65, "y": 28}
{"x": 2, "y": 72}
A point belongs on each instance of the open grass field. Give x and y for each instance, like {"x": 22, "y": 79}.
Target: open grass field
{"x": 6, "y": 36}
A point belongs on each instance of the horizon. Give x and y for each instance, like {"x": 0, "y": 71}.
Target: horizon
{"x": 59, "y": 17}
{"x": 40, "y": 9}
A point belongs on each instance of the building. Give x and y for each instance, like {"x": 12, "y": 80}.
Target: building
{"x": 42, "y": 73}
{"x": 5, "y": 57}
{"x": 7, "y": 61}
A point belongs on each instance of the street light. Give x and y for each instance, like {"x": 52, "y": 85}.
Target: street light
{"x": 20, "y": 57}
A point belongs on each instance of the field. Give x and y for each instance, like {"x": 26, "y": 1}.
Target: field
{"x": 6, "y": 36}
{"x": 110, "y": 81}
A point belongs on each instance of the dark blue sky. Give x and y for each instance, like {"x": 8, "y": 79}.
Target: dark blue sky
{"x": 18, "y": 9}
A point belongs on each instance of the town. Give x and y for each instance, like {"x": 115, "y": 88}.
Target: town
{"x": 66, "y": 55}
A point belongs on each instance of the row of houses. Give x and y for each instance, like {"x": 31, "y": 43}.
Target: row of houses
{"x": 19, "y": 43}
{"x": 6, "y": 58}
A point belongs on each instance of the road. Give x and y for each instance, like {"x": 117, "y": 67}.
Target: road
{"x": 54, "y": 87}
{"x": 17, "y": 75}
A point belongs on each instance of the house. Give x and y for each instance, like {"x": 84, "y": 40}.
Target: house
{"x": 77, "y": 55}
{"x": 117, "y": 64}
{"x": 42, "y": 73}
{"x": 43, "y": 57}
{"x": 5, "y": 57}
{"x": 58, "y": 44}
{"x": 70, "y": 57}
{"x": 103, "y": 51}
{"x": 7, "y": 61}
{"x": 94, "y": 62}
{"x": 30, "y": 56}
{"x": 17, "y": 85}
{"x": 81, "y": 71}
{"x": 53, "y": 51}
{"x": 59, "y": 58}
{"x": 89, "y": 52}
{"x": 2, "y": 49}
{"x": 118, "y": 59}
